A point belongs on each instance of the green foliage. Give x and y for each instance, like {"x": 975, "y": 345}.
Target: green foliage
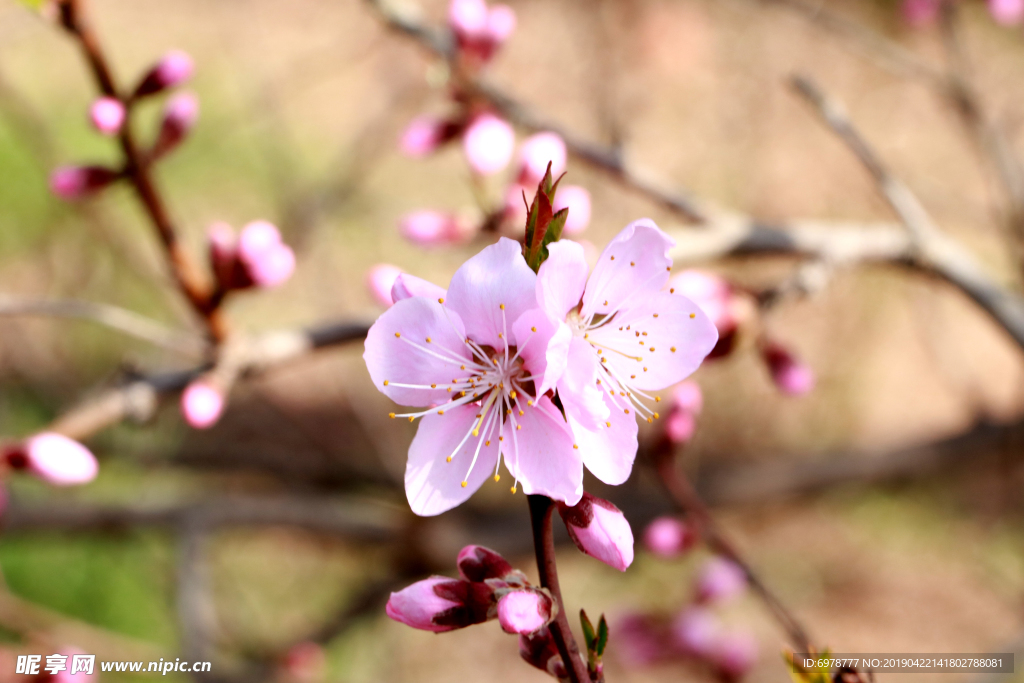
{"x": 543, "y": 224}
{"x": 596, "y": 641}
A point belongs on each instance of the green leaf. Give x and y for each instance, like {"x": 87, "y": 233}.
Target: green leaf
{"x": 588, "y": 631}
{"x": 602, "y": 635}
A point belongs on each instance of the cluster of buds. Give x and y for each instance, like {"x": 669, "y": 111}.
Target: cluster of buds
{"x": 925, "y": 12}
{"x": 109, "y": 116}
{"x": 53, "y": 458}
{"x": 488, "y": 588}
{"x": 695, "y": 633}
{"x": 256, "y": 257}
{"x": 479, "y": 30}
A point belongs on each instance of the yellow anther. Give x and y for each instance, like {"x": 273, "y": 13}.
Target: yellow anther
{"x": 440, "y": 301}
{"x": 668, "y": 268}
{"x": 529, "y": 403}
{"x": 693, "y": 315}
{"x": 465, "y": 484}
{"x": 385, "y": 382}
{"x": 626, "y": 410}
{"x": 440, "y": 412}
{"x": 501, "y": 306}
{"x": 605, "y": 303}
{"x": 462, "y": 367}
{"x": 412, "y": 419}
{"x": 657, "y": 399}
{"x": 637, "y": 333}
{"x": 652, "y": 349}
{"x": 500, "y": 336}
{"x": 518, "y": 427}
{"x": 533, "y": 329}
{"x": 613, "y": 258}
{"x": 487, "y": 443}
{"x": 398, "y": 334}
{"x": 513, "y": 489}
{"x": 645, "y": 334}
{"x": 476, "y": 432}
{"x": 607, "y": 424}
{"x": 673, "y": 349}
{"x": 641, "y": 342}
{"x": 391, "y": 415}
{"x": 655, "y": 315}
{"x": 632, "y": 263}
{"x": 448, "y": 459}
{"x": 521, "y": 412}
{"x": 645, "y": 369}
{"x": 433, "y": 386}
{"x": 497, "y": 477}
{"x": 513, "y": 394}
{"x": 449, "y": 390}
{"x": 428, "y": 340}
{"x": 632, "y": 376}
{"x": 650, "y": 420}
{"x": 575, "y": 446}
{"x": 501, "y": 438}
{"x": 656, "y": 416}
{"x": 672, "y": 291}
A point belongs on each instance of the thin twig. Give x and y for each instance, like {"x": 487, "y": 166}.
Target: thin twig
{"x": 541, "y": 508}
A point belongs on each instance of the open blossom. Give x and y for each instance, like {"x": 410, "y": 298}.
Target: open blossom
{"x": 488, "y": 144}
{"x": 54, "y": 458}
{"x": 628, "y": 338}
{"x": 600, "y": 530}
{"x": 478, "y": 360}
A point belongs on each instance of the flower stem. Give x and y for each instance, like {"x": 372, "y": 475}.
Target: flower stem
{"x": 541, "y": 508}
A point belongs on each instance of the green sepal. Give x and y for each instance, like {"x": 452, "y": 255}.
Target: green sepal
{"x": 602, "y": 636}
{"x": 589, "y": 637}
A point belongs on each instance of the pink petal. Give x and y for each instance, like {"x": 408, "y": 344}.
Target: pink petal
{"x": 669, "y": 335}
{"x": 608, "y": 452}
{"x": 534, "y": 155}
{"x": 468, "y": 17}
{"x": 668, "y": 537}
{"x": 634, "y": 264}
{"x": 201, "y": 404}
{"x": 522, "y": 612}
{"x": 273, "y": 267}
{"x": 688, "y": 397}
{"x": 182, "y": 111}
{"x": 497, "y": 276}
{"x": 410, "y": 359}
{"x": 418, "y": 604}
{"x": 406, "y": 286}
{"x": 1006, "y": 12}
{"x": 258, "y": 237}
{"x": 581, "y": 396}
{"x": 222, "y": 240}
{"x": 501, "y": 23}
{"x": 432, "y": 484}
{"x": 697, "y": 631}
{"x": 543, "y": 344}
{"x": 710, "y": 292}
{"x": 60, "y": 461}
{"x": 562, "y": 278}
{"x": 107, "y": 115}
{"x": 488, "y": 143}
{"x": 541, "y": 454}
{"x": 174, "y": 68}
{"x": 577, "y": 199}
{"x": 680, "y": 426}
{"x": 380, "y": 280}
{"x": 422, "y": 136}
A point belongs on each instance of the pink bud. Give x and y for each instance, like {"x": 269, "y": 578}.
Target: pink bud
{"x": 791, "y": 376}
{"x": 468, "y": 18}
{"x": 180, "y": 114}
{"x": 174, "y": 68}
{"x": 418, "y": 605}
{"x": 669, "y": 537}
{"x": 477, "y": 563}
{"x": 267, "y": 260}
{"x": 409, "y": 285}
{"x": 107, "y": 115}
{"x": 430, "y": 228}
{"x": 501, "y": 23}
{"x": 687, "y": 402}
{"x": 680, "y": 426}
{"x": 534, "y": 155}
{"x": 380, "y": 279}
{"x": 488, "y": 144}
{"x": 696, "y": 631}
{"x": 919, "y": 12}
{"x": 422, "y": 136}
{"x": 578, "y": 201}
{"x": 600, "y": 530}
{"x": 640, "y": 640}
{"x": 75, "y": 182}
{"x": 222, "y": 240}
{"x": 735, "y": 654}
{"x": 516, "y": 207}
{"x": 305, "y": 661}
{"x": 201, "y": 404}
{"x": 55, "y": 459}
{"x": 539, "y": 650}
{"x": 523, "y": 611}
{"x": 720, "y": 580}
{"x": 1006, "y": 12}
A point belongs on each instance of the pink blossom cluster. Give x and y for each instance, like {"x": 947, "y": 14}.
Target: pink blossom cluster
{"x": 485, "y": 361}
{"x": 696, "y": 632}
{"x": 925, "y": 12}
{"x": 109, "y": 116}
{"x": 53, "y": 458}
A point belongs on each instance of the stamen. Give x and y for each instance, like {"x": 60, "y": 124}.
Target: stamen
{"x": 440, "y": 301}
{"x": 693, "y": 315}
{"x": 391, "y": 415}
{"x": 398, "y": 335}
{"x": 385, "y": 382}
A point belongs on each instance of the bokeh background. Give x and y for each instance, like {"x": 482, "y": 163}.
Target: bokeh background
{"x": 912, "y": 547}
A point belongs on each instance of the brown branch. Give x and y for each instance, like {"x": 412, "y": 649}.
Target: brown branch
{"x": 541, "y": 508}
{"x": 138, "y": 172}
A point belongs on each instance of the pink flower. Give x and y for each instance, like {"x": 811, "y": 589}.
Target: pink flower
{"x": 577, "y": 199}
{"x": 173, "y": 69}
{"x": 524, "y": 611}
{"x": 422, "y": 136}
{"x": 669, "y": 537}
{"x": 696, "y": 631}
{"x": 380, "y": 279}
{"x": 430, "y": 228}
{"x": 790, "y": 375}
{"x": 536, "y": 152}
{"x": 107, "y": 115}
{"x": 407, "y": 286}
{"x": 55, "y": 459}
{"x": 452, "y": 355}
{"x": 716, "y": 298}
{"x": 735, "y": 654}
{"x": 720, "y": 580}
{"x": 268, "y": 261}
{"x": 1006, "y": 12}
{"x": 423, "y": 606}
{"x": 75, "y": 182}
{"x": 919, "y": 12}
{"x": 180, "y": 114}
{"x": 600, "y": 530}
{"x": 687, "y": 402}
{"x": 628, "y": 338}
{"x": 201, "y": 404}
{"x": 488, "y": 144}
{"x": 480, "y": 31}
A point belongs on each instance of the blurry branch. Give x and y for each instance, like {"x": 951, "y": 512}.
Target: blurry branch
{"x": 137, "y": 171}
{"x": 197, "y": 618}
{"x": 120, "y": 319}
{"x": 138, "y": 398}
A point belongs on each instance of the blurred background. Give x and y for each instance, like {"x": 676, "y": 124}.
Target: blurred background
{"x": 884, "y": 506}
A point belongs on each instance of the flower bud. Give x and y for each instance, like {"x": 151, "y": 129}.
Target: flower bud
{"x": 107, "y": 115}
{"x": 790, "y": 375}
{"x": 76, "y": 182}
{"x": 539, "y": 650}
{"x": 380, "y": 279}
{"x": 468, "y": 18}
{"x": 524, "y": 611}
{"x": 488, "y": 144}
{"x": 477, "y": 563}
{"x": 534, "y": 155}
{"x": 409, "y": 285}
{"x": 180, "y": 115}
{"x": 501, "y": 24}
{"x": 429, "y": 228}
{"x": 687, "y": 402}
{"x": 266, "y": 259}
{"x": 720, "y": 580}
{"x": 1006, "y": 12}
{"x": 669, "y": 537}
{"x": 55, "y": 459}
{"x": 305, "y": 661}
{"x": 640, "y": 640}
{"x": 735, "y": 654}
{"x": 919, "y": 12}
{"x": 577, "y": 199}
{"x": 600, "y": 530}
{"x": 696, "y": 632}
{"x": 441, "y": 604}
{"x": 201, "y": 404}
{"x": 424, "y": 134}
{"x": 174, "y": 68}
